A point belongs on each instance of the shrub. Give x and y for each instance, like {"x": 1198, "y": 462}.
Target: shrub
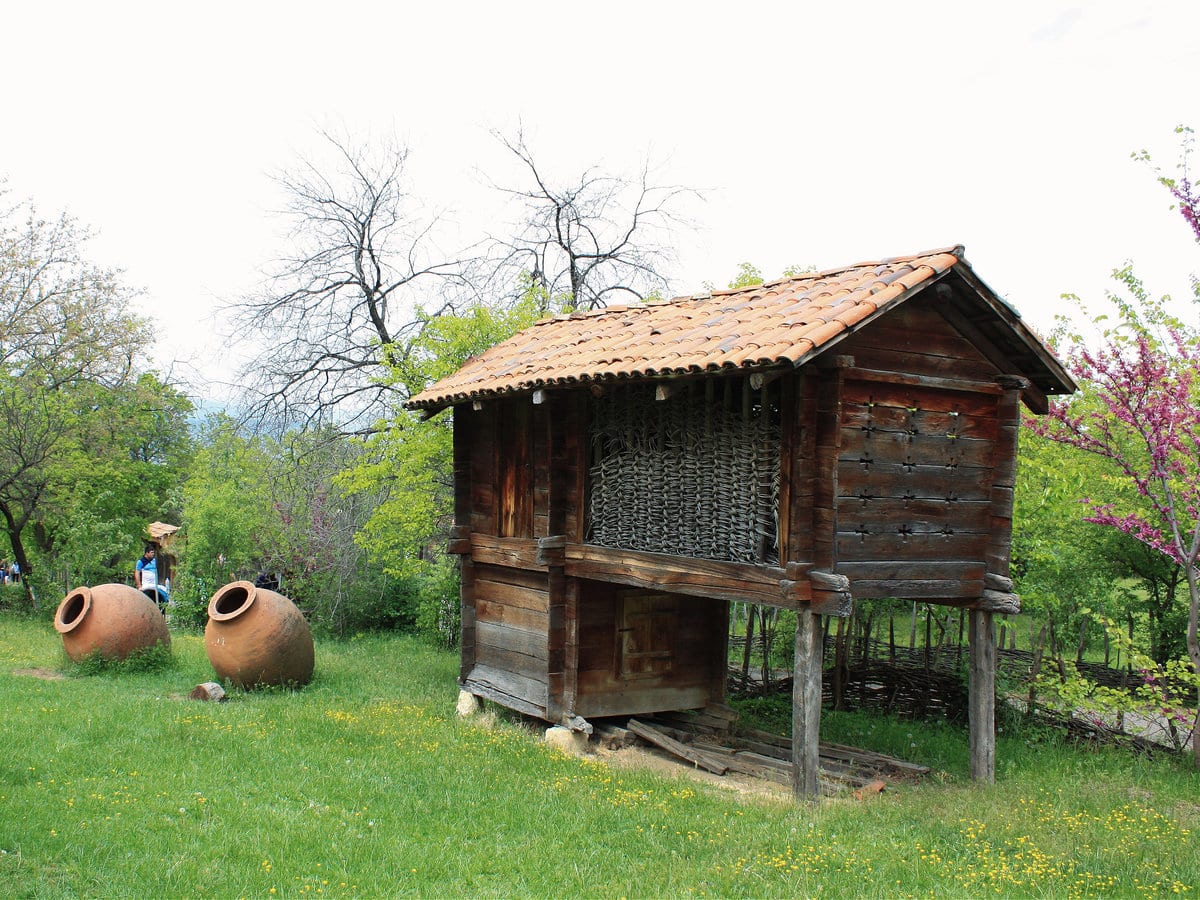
{"x": 438, "y": 607}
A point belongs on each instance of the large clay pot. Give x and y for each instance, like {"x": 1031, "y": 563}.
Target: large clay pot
{"x": 112, "y": 620}
{"x": 255, "y": 637}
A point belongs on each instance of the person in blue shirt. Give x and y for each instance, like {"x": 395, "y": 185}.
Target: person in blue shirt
{"x": 145, "y": 575}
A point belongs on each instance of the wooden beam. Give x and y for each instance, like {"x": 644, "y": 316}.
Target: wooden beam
{"x": 459, "y": 543}
{"x": 826, "y": 424}
{"x": 1004, "y": 469}
{"x": 551, "y": 550}
{"x": 759, "y": 380}
{"x": 994, "y": 582}
{"x": 998, "y": 602}
{"x": 464, "y": 430}
{"x": 556, "y": 645}
{"x": 683, "y": 751}
{"x": 516, "y": 553}
{"x": 570, "y": 692}
{"x": 466, "y": 619}
{"x": 831, "y": 594}
{"x": 925, "y": 381}
{"x": 741, "y": 582}
{"x": 789, "y": 450}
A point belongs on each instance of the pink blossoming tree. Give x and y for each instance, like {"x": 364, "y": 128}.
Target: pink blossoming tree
{"x": 1139, "y": 407}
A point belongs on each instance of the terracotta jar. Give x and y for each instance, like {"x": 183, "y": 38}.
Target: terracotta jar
{"x": 255, "y": 637}
{"x": 113, "y": 620}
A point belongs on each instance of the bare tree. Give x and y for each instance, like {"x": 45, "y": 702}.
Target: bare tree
{"x": 599, "y": 237}
{"x": 63, "y": 319}
{"x": 344, "y": 302}
{"x": 365, "y": 277}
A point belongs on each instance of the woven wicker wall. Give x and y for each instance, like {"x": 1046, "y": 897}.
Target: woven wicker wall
{"x": 694, "y": 475}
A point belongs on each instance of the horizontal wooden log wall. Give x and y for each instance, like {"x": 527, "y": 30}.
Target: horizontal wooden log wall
{"x": 689, "y": 674}
{"x": 511, "y": 635}
{"x": 917, "y": 452}
{"x": 789, "y": 588}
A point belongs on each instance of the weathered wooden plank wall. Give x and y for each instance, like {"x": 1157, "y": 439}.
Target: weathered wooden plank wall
{"x": 484, "y": 470}
{"x": 916, "y": 339}
{"x": 629, "y": 663}
{"x": 514, "y": 464}
{"x": 511, "y": 629}
{"x": 465, "y": 427}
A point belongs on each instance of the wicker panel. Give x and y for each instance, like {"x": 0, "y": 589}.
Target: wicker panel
{"x": 695, "y": 475}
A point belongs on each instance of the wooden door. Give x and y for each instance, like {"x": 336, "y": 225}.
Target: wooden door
{"x": 646, "y": 634}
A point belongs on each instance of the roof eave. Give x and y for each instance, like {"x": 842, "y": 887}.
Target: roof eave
{"x": 1060, "y": 381}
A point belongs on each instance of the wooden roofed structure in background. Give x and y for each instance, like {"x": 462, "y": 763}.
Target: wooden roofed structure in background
{"x": 622, "y": 475}
{"x": 162, "y": 536}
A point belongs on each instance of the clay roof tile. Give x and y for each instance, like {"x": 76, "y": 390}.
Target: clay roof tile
{"x": 788, "y": 319}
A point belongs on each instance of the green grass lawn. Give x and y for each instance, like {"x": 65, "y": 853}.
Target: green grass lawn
{"x": 365, "y": 784}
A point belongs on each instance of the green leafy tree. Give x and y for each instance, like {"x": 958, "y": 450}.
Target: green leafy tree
{"x": 125, "y": 454}
{"x": 407, "y": 465}
{"x": 229, "y": 520}
{"x": 1062, "y": 564}
{"x": 324, "y": 568}
{"x": 1138, "y": 410}
{"x": 747, "y": 275}
{"x": 66, "y": 335}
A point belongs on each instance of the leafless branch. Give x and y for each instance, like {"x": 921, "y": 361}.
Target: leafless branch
{"x": 363, "y": 262}
{"x": 598, "y": 236}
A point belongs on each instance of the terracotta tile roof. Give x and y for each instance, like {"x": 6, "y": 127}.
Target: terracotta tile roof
{"x": 781, "y": 322}
{"x": 160, "y": 530}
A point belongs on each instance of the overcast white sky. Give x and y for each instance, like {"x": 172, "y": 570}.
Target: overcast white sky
{"x": 824, "y": 133}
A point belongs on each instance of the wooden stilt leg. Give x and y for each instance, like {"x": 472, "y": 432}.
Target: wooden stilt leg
{"x": 806, "y": 707}
{"x": 982, "y": 701}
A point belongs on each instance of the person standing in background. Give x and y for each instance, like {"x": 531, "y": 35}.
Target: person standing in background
{"x": 145, "y": 574}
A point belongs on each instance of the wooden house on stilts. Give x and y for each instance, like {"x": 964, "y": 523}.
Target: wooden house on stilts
{"x": 622, "y": 475}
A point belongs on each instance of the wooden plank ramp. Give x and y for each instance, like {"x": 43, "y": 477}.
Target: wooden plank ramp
{"x": 711, "y": 740}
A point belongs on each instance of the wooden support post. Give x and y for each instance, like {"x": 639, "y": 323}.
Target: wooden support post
{"x": 467, "y": 619}
{"x": 997, "y": 594}
{"x": 982, "y": 702}
{"x": 806, "y": 707}
{"x": 465, "y": 429}
{"x": 571, "y": 590}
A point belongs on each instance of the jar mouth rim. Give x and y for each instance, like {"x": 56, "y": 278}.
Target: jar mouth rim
{"x": 73, "y": 610}
{"x": 231, "y": 601}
